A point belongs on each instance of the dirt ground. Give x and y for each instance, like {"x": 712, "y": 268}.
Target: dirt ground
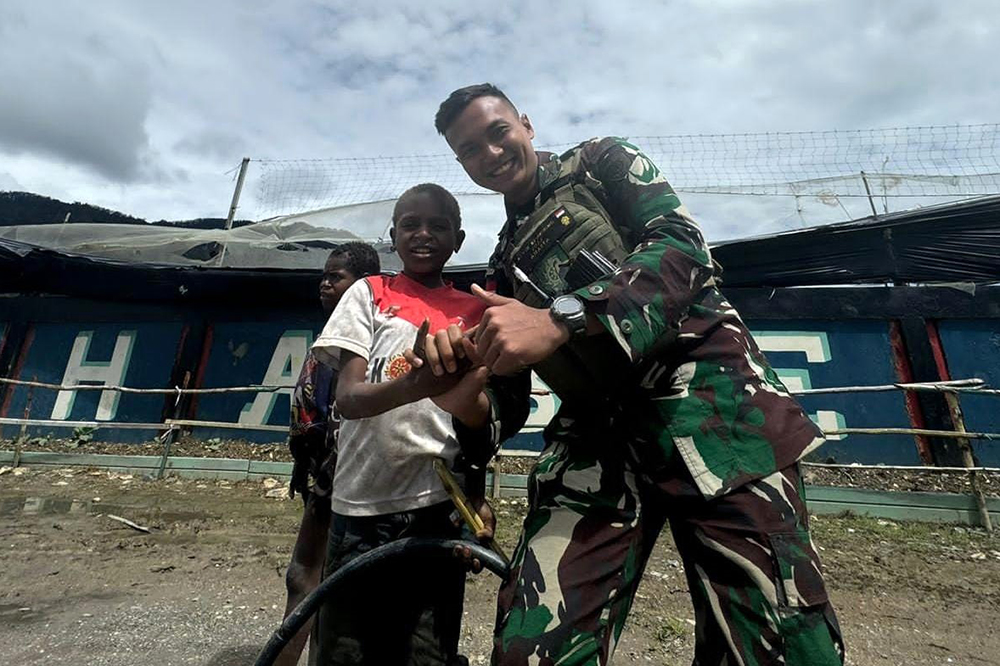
{"x": 206, "y": 586}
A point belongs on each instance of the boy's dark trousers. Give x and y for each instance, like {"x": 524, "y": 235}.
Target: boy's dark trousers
{"x": 404, "y": 613}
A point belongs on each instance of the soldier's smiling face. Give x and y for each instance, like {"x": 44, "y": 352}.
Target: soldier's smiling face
{"x": 493, "y": 145}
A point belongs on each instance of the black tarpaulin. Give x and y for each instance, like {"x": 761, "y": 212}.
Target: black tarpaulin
{"x": 957, "y": 242}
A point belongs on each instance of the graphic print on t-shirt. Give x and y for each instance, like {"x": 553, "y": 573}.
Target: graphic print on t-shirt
{"x": 382, "y": 369}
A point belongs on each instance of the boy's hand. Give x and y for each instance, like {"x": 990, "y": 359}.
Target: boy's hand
{"x": 446, "y": 364}
{"x": 447, "y": 351}
{"x": 466, "y": 400}
{"x": 485, "y": 511}
{"x": 424, "y": 383}
{"x": 484, "y": 536}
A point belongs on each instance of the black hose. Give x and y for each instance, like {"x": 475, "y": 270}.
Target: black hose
{"x": 409, "y": 547}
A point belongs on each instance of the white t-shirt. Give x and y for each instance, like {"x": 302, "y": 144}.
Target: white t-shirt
{"x": 385, "y": 462}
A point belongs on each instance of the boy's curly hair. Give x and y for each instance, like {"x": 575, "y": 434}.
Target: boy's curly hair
{"x": 359, "y": 258}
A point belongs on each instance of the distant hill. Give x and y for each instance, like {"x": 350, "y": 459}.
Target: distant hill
{"x": 27, "y": 208}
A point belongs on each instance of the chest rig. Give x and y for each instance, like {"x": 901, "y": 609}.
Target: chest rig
{"x": 546, "y": 245}
{"x": 551, "y": 252}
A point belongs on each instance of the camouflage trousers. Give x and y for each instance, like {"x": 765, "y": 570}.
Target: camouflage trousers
{"x": 752, "y": 571}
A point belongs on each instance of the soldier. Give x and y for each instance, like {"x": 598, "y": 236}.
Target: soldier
{"x": 681, "y": 417}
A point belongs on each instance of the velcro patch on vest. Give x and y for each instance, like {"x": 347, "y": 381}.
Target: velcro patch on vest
{"x": 551, "y": 229}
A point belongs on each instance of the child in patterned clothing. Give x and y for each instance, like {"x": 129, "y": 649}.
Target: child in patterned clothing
{"x": 312, "y": 439}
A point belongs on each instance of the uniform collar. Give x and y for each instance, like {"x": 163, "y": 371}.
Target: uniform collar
{"x": 549, "y": 166}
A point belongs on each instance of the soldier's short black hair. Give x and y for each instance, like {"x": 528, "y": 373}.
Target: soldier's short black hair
{"x": 445, "y": 199}
{"x": 452, "y": 107}
{"x": 360, "y": 259}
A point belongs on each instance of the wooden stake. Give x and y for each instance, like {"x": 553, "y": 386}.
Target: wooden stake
{"x": 23, "y": 436}
{"x": 967, "y": 459}
{"x": 170, "y": 435}
{"x": 497, "y": 468}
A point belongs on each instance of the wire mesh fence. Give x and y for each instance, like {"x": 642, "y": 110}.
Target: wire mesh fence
{"x": 908, "y": 166}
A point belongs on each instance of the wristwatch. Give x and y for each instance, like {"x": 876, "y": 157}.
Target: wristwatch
{"x": 569, "y": 310}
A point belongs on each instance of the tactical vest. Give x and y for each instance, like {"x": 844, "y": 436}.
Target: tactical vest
{"x": 545, "y": 245}
{"x": 544, "y": 248}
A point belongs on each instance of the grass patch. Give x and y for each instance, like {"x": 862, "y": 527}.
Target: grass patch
{"x": 916, "y": 536}
{"x": 670, "y": 630}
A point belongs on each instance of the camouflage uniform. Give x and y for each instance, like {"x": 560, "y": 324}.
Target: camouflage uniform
{"x": 699, "y": 431}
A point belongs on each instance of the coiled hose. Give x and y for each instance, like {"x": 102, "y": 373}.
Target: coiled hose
{"x": 409, "y": 547}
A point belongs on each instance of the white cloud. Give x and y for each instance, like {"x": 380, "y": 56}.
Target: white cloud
{"x": 145, "y": 107}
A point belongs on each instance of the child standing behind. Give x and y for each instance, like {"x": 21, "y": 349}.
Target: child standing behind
{"x": 311, "y": 439}
{"x": 385, "y": 487}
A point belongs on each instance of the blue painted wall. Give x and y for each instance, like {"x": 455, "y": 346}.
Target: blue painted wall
{"x": 972, "y": 348}
{"x": 267, "y": 353}
{"x": 851, "y": 353}
{"x": 139, "y": 355}
{"x": 807, "y": 353}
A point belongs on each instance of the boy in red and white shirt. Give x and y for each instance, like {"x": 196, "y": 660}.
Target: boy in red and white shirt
{"x": 395, "y": 421}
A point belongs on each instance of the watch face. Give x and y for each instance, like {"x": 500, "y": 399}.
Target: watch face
{"x": 567, "y": 306}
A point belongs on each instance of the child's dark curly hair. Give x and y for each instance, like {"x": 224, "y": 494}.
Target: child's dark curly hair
{"x": 359, "y": 258}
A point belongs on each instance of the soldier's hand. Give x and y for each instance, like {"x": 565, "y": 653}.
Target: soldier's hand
{"x": 512, "y": 336}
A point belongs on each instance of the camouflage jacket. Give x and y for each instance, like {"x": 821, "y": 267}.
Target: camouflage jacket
{"x": 698, "y": 383}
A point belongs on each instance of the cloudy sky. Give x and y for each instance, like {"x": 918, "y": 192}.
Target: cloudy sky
{"x": 145, "y": 107}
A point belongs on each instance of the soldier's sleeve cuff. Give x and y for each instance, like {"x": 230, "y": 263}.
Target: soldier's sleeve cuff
{"x": 626, "y": 332}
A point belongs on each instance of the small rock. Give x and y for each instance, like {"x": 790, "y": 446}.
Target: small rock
{"x": 270, "y": 483}
{"x": 851, "y": 530}
{"x": 61, "y": 483}
{"x": 5, "y": 469}
{"x": 19, "y": 471}
{"x": 277, "y": 493}
{"x": 978, "y": 556}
